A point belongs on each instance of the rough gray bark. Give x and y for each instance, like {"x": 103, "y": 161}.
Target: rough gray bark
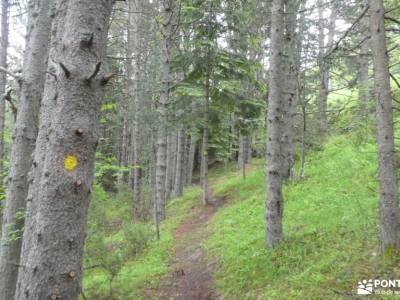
{"x": 134, "y": 43}
{"x": 46, "y": 110}
{"x": 389, "y": 206}
{"x": 3, "y": 76}
{"x": 53, "y": 252}
{"x": 179, "y": 167}
{"x": 290, "y": 93}
{"x": 171, "y": 156}
{"x": 168, "y": 28}
{"x": 24, "y": 137}
{"x": 274, "y": 209}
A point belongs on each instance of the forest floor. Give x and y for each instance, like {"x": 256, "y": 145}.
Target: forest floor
{"x": 191, "y": 275}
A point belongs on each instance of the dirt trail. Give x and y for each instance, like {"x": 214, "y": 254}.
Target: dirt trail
{"x": 191, "y": 276}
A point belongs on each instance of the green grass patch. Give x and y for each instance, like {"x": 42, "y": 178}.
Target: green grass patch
{"x": 133, "y": 272}
{"x": 330, "y": 226}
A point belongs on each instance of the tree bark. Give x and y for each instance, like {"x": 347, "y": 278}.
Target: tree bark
{"x": 54, "y": 251}
{"x": 171, "y": 156}
{"x": 134, "y": 43}
{"x": 204, "y": 147}
{"x": 274, "y": 210}
{"x": 179, "y": 172}
{"x": 290, "y": 94}
{"x": 5, "y": 5}
{"x": 161, "y": 166}
{"x": 191, "y": 156}
{"x": 389, "y": 206}
{"x": 24, "y": 137}
{"x": 47, "y": 108}
{"x": 323, "y": 63}
{"x": 124, "y": 153}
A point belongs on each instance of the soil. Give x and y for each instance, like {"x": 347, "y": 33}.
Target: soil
{"x": 191, "y": 276}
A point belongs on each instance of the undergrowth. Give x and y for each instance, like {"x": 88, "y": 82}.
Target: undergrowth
{"x": 122, "y": 256}
{"x": 330, "y": 226}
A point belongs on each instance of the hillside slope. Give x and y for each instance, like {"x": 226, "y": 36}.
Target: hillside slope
{"x": 330, "y": 225}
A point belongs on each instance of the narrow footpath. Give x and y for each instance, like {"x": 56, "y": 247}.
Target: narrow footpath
{"x": 191, "y": 276}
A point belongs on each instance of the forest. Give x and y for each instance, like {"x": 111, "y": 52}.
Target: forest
{"x": 199, "y": 149}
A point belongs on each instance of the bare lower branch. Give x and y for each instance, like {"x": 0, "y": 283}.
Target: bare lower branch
{"x": 336, "y": 46}
{"x": 95, "y": 72}
{"x": 15, "y": 76}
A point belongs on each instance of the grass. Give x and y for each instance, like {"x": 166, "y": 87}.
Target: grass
{"x": 148, "y": 267}
{"x": 330, "y": 225}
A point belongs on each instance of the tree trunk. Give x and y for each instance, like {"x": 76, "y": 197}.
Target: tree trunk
{"x": 163, "y": 109}
{"x": 124, "y": 153}
{"x": 274, "y": 210}
{"x": 171, "y": 146}
{"x": 53, "y": 268}
{"x": 204, "y": 147}
{"x": 244, "y": 155}
{"x": 323, "y": 63}
{"x": 134, "y": 43}
{"x": 364, "y": 93}
{"x": 178, "y": 186}
{"x": 3, "y": 76}
{"x": 191, "y": 156}
{"x": 50, "y": 96}
{"x": 389, "y": 207}
{"x": 240, "y": 160}
{"x": 185, "y": 161}
{"x": 290, "y": 94}
{"x": 24, "y": 137}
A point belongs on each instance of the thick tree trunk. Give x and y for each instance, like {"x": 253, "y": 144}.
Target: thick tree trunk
{"x": 24, "y": 137}
{"x": 50, "y": 96}
{"x": 3, "y": 77}
{"x": 179, "y": 172}
{"x": 161, "y": 166}
{"x": 389, "y": 206}
{"x": 53, "y": 268}
{"x": 274, "y": 210}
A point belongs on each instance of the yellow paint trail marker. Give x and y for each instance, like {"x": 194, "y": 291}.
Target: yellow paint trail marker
{"x": 70, "y": 162}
